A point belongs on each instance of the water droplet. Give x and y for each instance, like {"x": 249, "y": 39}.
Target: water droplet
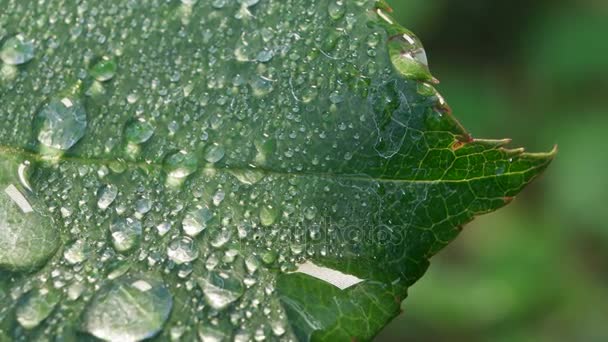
{"x": 61, "y": 123}
{"x": 163, "y": 228}
{"x": 196, "y": 221}
{"x": 182, "y": 250}
{"x": 310, "y": 213}
{"x": 138, "y": 131}
{"x": 35, "y": 307}
{"x": 248, "y": 177}
{"x": 181, "y": 164}
{"x": 409, "y": 57}
{"x": 268, "y": 214}
{"x": 221, "y": 289}
{"x": 76, "y": 253}
{"x": 128, "y": 309}
{"x": 336, "y": 9}
{"x": 17, "y": 50}
{"x": 27, "y": 237}
{"x": 104, "y": 70}
{"x": 214, "y": 153}
{"x": 126, "y": 234}
{"x": 106, "y": 196}
{"x": 261, "y": 86}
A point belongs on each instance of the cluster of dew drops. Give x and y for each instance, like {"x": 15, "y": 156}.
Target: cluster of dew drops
{"x": 59, "y": 125}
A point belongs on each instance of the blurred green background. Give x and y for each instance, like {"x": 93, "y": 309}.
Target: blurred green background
{"x": 537, "y": 72}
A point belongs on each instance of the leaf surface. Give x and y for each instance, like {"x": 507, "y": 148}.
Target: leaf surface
{"x": 226, "y": 169}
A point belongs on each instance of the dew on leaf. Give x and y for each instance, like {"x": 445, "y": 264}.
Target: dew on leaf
{"x": 61, "y": 123}
{"x": 106, "y": 196}
{"x": 28, "y": 238}
{"x": 221, "y": 289}
{"x": 104, "y": 70}
{"x": 17, "y": 50}
{"x": 35, "y": 307}
{"x": 138, "y": 131}
{"x": 128, "y": 309}
{"x": 268, "y": 215}
{"x": 196, "y": 221}
{"x": 182, "y": 250}
{"x": 181, "y": 164}
{"x": 77, "y": 252}
{"x": 214, "y": 153}
{"x": 336, "y": 9}
{"x": 125, "y": 233}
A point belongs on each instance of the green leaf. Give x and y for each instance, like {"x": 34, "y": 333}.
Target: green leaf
{"x": 226, "y": 169}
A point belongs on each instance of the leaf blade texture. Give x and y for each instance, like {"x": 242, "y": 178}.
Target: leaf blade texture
{"x": 226, "y": 169}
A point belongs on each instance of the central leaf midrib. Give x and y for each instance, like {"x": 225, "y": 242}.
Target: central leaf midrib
{"x": 11, "y": 151}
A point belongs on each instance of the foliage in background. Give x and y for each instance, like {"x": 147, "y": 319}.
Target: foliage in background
{"x": 537, "y": 271}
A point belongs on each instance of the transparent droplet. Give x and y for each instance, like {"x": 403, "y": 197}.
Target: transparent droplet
{"x": 76, "y": 253}
{"x": 268, "y": 215}
{"x": 35, "y": 307}
{"x": 27, "y": 237}
{"x": 181, "y": 164}
{"x": 221, "y": 289}
{"x": 126, "y": 234}
{"x": 17, "y": 50}
{"x": 138, "y": 131}
{"x": 336, "y": 9}
{"x": 104, "y": 70}
{"x": 182, "y": 250}
{"x": 61, "y": 123}
{"x": 262, "y": 86}
{"x": 214, "y": 153}
{"x": 128, "y": 309}
{"x": 106, "y": 196}
{"x": 196, "y": 221}
{"x": 163, "y": 228}
{"x": 248, "y": 177}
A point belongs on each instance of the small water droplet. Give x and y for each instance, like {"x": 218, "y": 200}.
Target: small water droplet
{"x": 17, "y": 50}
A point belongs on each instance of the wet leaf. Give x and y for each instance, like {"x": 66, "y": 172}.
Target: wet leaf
{"x": 226, "y": 169}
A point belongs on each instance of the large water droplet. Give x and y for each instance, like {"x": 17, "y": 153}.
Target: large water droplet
{"x": 196, "y": 221}
{"x": 268, "y": 214}
{"x": 104, "y": 69}
{"x": 221, "y": 289}
{"x": 138, "y": 131}
{"x": 181, "y": 164}
{"x": 35, "y": 307}
{"x": 182, "y": 250}
{"x": 248, "y": 177}
{"x": 76, "y": 252}
{"x": 409, "y": 57}
{"x": 106, "y": 196}
{"x": 61, "y": 123}
{"x": 336, "y": 9}
{"x": 126, "y": 234}
{"x": 27, "y": 238}
{"x": 17, "y": 50}
{"x": 214, "y": 153}
{"x": 128, "y": 309}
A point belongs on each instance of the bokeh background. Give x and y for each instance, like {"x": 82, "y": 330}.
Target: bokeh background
{"x": 537, "y": 270}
